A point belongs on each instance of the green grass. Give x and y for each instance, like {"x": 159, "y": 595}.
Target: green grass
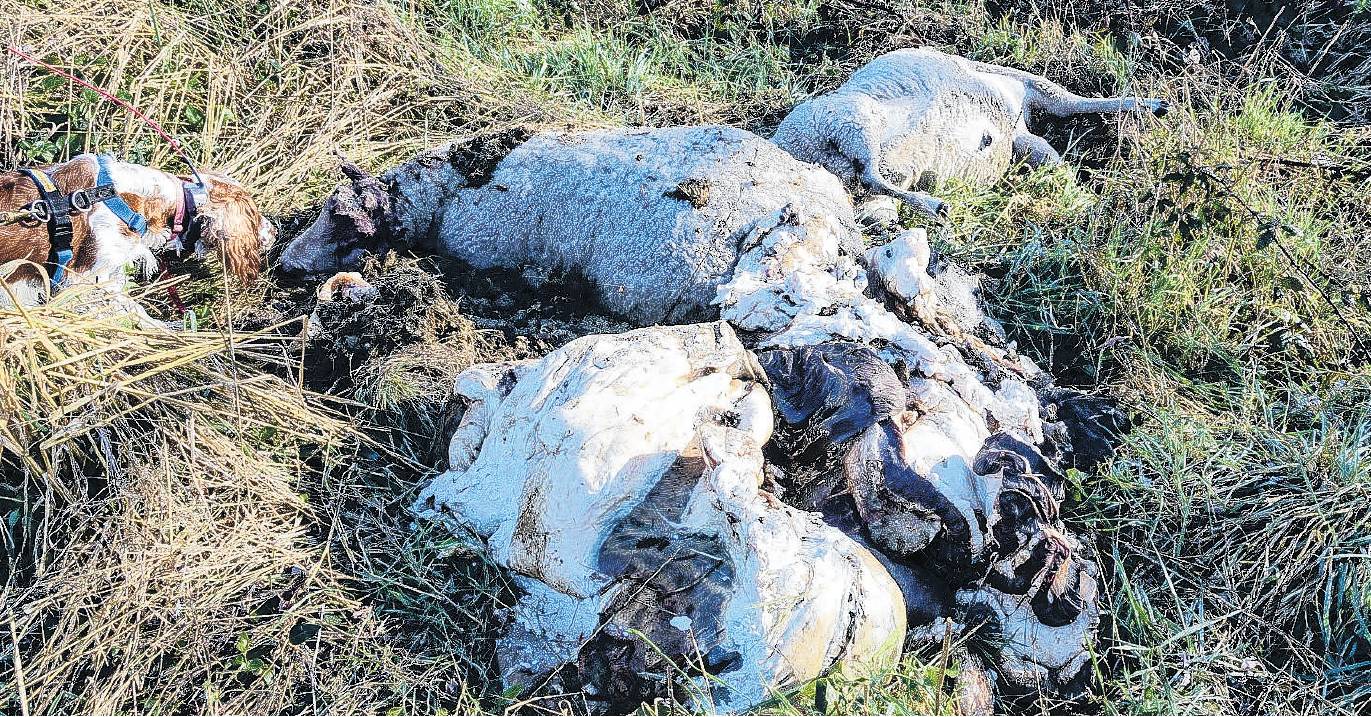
{"x": 912, "y": 687}
{"x": 1233, "y": 520}
{"x": 1212, "y": 269}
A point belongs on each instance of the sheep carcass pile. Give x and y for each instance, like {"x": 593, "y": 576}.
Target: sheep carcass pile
{"x": 622, "y": 481}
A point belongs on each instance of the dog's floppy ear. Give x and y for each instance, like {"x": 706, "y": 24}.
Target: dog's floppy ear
{"x": 231, "y": 224}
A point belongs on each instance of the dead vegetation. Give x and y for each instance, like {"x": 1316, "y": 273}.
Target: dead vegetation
{"x": 319, "y": 77}
{"x": 187, "y": 532}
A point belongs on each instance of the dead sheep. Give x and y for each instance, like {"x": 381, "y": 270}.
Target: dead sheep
{"x": 619, "y": 480}
{"x": 916, "y": 114}
{"x": 611, "y": 476}
{"x": 651, "y": 218}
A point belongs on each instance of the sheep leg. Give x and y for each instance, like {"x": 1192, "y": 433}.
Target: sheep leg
{"x": 854, "y": 131}
{"x": 1057, "y": 101}
{"x": 928, "y": 204}
{"x": 1045, "y": 95}
{"x": 1034, "y": 151}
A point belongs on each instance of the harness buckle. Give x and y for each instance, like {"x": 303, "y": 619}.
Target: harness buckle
{"x": 100, "y": 193}
{"x": 198, "y": 193}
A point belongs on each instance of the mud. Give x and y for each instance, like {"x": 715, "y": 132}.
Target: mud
{"x": 1319, "y": 44}
{"x": 429, "y": 320}
{"x": 486, "y": 315}
{"x": 478, "y": 157}
{"x": 693, "y": 190}
{"x": 361, "y": 205}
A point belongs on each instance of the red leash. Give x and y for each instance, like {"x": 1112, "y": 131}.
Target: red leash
{"x": 180, "y": 151}
{"x": 173, "y": 292}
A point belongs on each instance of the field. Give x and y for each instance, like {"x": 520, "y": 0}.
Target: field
{"x": 211, "y": 523}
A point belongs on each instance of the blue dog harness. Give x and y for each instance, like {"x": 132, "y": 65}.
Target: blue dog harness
{"x": 116, "y": 204}
{"x": 56, "y": 209}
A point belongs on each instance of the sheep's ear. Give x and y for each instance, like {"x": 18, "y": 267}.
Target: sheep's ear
{"x": 1034, "y": 151}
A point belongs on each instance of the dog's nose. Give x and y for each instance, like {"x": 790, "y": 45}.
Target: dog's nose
{"x": 1161, "y": 109}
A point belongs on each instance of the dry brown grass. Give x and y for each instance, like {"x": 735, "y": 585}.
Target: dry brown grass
{"x": 187, "y": 532}
{"x": 267, "y": 92}
{"x": 176, "y": 544}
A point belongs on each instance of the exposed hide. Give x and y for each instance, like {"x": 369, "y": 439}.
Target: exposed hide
{"x": 1090, "y": 426}
{"x": 652, "y": 218}
{"x": 797, "y": 284}
{"x": 1032, "y": 657}
{"x": 844, "y": 387}
{"x": 950, "y": 468}
{"x": 619, "y": 479}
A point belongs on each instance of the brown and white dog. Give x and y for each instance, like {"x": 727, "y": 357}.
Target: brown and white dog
{"x": 229, "y": 223}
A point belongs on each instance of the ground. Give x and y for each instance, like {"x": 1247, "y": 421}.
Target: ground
{"x": 194, "y": 530}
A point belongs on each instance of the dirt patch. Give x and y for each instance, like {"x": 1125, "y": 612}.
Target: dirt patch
{"x": 1318, "y": 47}
{"x": 477, "y": 157}
{"x": 399, "y": 351}
{"x": 362, "y": 203}
{"x": 693, "y": 190}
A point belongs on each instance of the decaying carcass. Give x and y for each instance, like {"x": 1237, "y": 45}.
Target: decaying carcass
{"x": 950, "y": 465}
{"x": 652, "y": 218}
{"x": 619, "y": 479}
{"x": 915, "y": 115}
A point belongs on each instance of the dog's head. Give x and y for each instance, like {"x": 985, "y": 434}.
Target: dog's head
{"x": 232, "y": 225}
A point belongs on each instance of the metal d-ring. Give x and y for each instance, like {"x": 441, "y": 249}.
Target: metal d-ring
{"x": 80, "y": 201}
{"x": 41, "y": 211}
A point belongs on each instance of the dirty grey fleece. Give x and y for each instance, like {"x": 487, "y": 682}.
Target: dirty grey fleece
{"x": 651, "y": 217}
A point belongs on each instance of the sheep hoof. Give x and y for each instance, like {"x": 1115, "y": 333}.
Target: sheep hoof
{"x": 942, "y": 210}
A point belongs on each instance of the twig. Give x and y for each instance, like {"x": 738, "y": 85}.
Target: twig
{"x": 1334, "y": 167}
{"x": 18, "y": 670}
{"x": 944, "y": 660}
